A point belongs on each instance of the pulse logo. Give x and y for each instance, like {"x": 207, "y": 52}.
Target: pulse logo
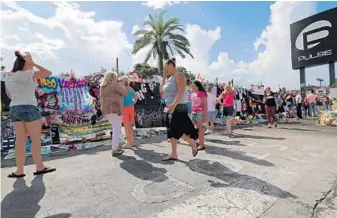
{"x": 311, "y": 36}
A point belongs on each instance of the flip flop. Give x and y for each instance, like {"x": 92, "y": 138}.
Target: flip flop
{"x": 14, "y": 175}
{"x": 201, "y": 148}
{"x": 44, "y": 171}
{"x": 169, "y": 158}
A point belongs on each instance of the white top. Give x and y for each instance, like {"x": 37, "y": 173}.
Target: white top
{"x": 211, "y": 101}
{"x": 298, "y": 99}
{"x": 21, "y": 87}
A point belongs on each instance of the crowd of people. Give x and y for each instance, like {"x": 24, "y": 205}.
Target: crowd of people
{"x": 189, "y": 105}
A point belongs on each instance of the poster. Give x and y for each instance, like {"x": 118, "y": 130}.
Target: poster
{"x": 70, "y": 112}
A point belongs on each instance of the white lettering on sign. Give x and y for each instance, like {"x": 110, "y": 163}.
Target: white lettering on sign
{"x": 141, "y": 92}
{"x": 313, "y": 56}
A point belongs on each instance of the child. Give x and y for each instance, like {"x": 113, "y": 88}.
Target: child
{"x": 211, "y": 103}
{"x": 199, "y": 110}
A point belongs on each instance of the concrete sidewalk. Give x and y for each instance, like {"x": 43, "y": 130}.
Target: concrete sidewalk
{"x": 286, "y": 172}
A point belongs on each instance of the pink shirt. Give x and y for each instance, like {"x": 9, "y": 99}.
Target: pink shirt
{"x": 311, "y": 98}
{"x": 197, "y": 104}
{"x": 228, "y": 99}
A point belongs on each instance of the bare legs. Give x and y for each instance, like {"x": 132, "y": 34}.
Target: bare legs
{"x": 129, "y": 134}
{"x": 34, "y": 131}
{"x": 229, "y": 125}
{"x": 201, "y": 135}
{"x": 22, "y": 130}
{"x": 20, "y": 147}
{"x": 174, "y": 146}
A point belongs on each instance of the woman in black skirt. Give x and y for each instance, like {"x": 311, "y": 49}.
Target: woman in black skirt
{"x": 178, "y": 123}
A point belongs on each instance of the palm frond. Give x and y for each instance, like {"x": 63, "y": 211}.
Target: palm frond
{"x": 141, "y": 43}
{"x": 178, "y": 38}
{"x": 143, "y": 32}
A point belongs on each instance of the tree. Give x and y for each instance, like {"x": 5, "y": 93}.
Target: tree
{"x": 144, "y": 70}
{"x": 163, "y": 36}
{"x": 187, "y": 74}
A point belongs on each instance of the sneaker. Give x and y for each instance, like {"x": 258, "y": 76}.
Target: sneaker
{"x": 117, "y": 152}
{"x": 128, "y": 146}
{"x": 208, "y": 132}
{"x": 269, "y": 126}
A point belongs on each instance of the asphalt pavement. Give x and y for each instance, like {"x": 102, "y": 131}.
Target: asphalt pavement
{"x": 289, "y": 171}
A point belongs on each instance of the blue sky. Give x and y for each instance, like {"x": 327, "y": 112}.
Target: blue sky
{"x": 222, "y": 34}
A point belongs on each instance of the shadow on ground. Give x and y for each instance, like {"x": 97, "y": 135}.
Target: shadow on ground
{"x": 233, "y": 179}
{"x": 142, "y": 169}
{"x": 238, "y": 155}
{"x": 23, "y": 201}
{"x": 88, "y": 151}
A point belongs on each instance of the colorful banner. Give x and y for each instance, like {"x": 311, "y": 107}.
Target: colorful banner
{"x": 70, "y": 108}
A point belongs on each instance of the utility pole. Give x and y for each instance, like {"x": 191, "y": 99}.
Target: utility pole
{"x": 117, "y": 66}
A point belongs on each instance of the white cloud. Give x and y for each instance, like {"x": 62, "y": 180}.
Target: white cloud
{"x": 272, "y": 65}
{"x": 158, "y": 4}
{"x": 71, "y": 30}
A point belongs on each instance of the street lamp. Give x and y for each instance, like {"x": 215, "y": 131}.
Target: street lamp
{"x": 320, "y": 80}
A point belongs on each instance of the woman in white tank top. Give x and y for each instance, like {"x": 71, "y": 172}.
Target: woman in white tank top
{"x": 26, "y": 117}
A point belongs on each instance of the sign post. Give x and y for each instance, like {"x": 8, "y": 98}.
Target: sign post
{"x": 332, "y": 73}
{"x": 302, "y": 81}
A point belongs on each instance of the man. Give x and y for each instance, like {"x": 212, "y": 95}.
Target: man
{"x": 298, "y": 100}
{"x": 312, "y": 103}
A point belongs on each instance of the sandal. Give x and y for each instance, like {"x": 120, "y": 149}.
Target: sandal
{"x": 201, "y": 148}
{"x": 44, "y": 171}
{"x": 168, "y": 158}
{"x": 14, "y": 175}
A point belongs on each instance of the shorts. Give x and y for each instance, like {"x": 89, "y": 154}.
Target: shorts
{"x": 228, "y": 111}
{"x": 24, "y": 113}
{"x": 211, "y": 116}
{"x": 189, "y": 107}
{"x": 196, "y": 116}
{"x": 129, "y": 114}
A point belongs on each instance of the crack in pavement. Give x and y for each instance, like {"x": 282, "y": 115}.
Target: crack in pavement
{"x": 322, "y": 199}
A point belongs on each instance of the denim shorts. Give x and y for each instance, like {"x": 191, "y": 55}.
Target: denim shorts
{"x": 24, "y": 113}
{"x": 228, "y": 111}
{"x": 197, "y": 116}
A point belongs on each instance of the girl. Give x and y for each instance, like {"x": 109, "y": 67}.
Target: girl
{"x": 129, "y": 112}
{"x": 228, "y": 106}
{"x": 199, "y": 110}
{"x": 211, "y": 103}
{"x": 270, "y": 102}
{"x": 26, "y": 117}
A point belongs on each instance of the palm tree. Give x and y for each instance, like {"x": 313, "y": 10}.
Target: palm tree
{"x": 163, "y": 37}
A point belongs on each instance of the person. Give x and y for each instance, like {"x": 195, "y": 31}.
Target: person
{"x": 290, "y": 102}
{"x": 188, "y": 92}
{"x": 111, "y": 100}
{"x": 306, "y": 106}
{"x": 327, "y": 104}
{"x": 199, "y": 110}
{"x": 128, "y": 118}
{"x": 228, "y": 106}
{"x": 211, "y": 104}
{"x": 298, "y": 100}
{"x": 312, "y": 103}
{"x": 26, "y": 117}
{"x": 178, "y": 123}
{"x": 271, "y": 106}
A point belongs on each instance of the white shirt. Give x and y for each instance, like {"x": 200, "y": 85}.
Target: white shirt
{"x": 21, "y": 88}
{"x": 211, "y": 101}
{"x": 298, "y": 99}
